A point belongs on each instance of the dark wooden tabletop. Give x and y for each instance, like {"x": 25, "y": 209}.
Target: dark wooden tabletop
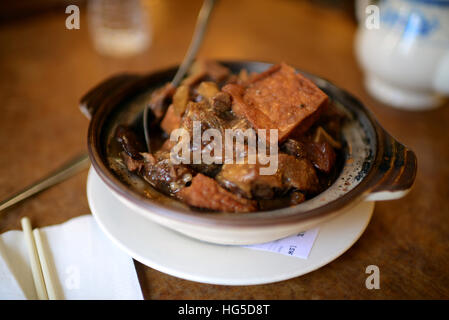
{"x": 45, "y": 69}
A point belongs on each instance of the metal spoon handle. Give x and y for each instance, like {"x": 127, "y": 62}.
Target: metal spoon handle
{"x": 197, "y": 39}
{"x": 65, "y": 171}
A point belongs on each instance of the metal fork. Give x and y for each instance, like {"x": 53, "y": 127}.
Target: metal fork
{"x": 67, "y": 170}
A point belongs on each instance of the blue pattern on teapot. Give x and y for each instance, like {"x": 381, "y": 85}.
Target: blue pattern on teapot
{"x": 413, "y": 22}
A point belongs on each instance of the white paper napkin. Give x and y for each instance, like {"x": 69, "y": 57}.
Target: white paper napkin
{"x": 86, "y": 264}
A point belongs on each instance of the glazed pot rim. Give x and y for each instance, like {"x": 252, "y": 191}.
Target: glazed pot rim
{"x": 369, "y": 182}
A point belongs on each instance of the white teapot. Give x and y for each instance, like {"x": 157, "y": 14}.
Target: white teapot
{"x": 405, "y": 55}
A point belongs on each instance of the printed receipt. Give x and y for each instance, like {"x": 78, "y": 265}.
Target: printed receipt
{"x": 298, "y": 245}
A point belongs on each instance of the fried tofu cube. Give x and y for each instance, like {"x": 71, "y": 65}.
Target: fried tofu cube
{"x": 278, "y": 98}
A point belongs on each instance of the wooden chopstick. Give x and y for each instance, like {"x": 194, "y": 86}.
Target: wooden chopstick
{"x": 49, "y": 284}
{"x": 36, "y": 268}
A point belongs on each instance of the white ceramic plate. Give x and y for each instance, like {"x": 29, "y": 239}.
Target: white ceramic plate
{"x": 175, "y": 254}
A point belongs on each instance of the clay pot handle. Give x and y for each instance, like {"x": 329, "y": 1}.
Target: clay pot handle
{"x": 92, "y": 100}
{"x": 395, "y": 169}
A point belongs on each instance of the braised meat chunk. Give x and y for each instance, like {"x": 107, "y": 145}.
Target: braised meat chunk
{"x": 322, "y": 155}
{"x": 298, "y": 173}
{"x": 292, "y": 173}
{"x": 202, "y": 115}
{"x": 295, "y": 148}
{"x": 221, "y": 102}
{"x": 129, "y": 141}
{"x": 157, "y": 169}
{"x": 165, "y": 176}
{"x": 320, "y": 152}
{"x": 246, "y": 180}
{"x": 206, "y": 193}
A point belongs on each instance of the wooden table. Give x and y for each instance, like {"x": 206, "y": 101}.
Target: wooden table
{"x": 45, "y": 69}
